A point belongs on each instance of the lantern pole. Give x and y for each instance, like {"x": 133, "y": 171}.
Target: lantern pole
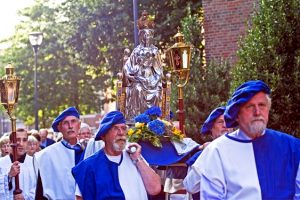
{"x": 35, "y": 39}
{"x": 9, "y": 89}
{"x": 179, "y": 56}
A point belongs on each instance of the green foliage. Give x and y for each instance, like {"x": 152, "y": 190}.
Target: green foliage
{"x": 82, "y": 50}
{"x": 208, "y": 86}
{"x": 271, "y": 52}
{"x": 207, "y": 89}
{"x": 142, "y": 132}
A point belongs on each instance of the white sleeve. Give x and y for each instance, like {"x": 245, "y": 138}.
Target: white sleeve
{"x": 77, "y": 191}
{"x": 209, "y": 167}
{"x": 209, "y": 190}
{"x": 192, "y": 180}
{"x": 92, "y": 147}
{"x": 4, "y": 191}
{"x": 297, "y": 191}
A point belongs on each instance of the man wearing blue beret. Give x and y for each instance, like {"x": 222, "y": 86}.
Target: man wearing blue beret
{"x": 54, "y": 163}
{"x": 253, "y": 162}
{"x": 113, "y": 172}
{"x": 215, "y": 126}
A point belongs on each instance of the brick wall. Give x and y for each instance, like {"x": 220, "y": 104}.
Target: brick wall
{"x": 224, "y": 23}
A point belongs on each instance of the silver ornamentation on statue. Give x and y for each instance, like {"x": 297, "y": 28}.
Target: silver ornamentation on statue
{"x": 143, "y": 72}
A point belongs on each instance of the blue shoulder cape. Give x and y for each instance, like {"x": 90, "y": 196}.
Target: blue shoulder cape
{"x": 277, "y": 157}
{"x": 97, "y": 178}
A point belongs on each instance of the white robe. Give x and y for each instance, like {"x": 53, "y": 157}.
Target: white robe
{"x": 92, "y": 147}
{"x": 27, "y": 178}
{"x": 55, "y": 163}
{"x": 227, "y": 169}
{"x": 129, "y": 178}
{"x": 192, "y": 181}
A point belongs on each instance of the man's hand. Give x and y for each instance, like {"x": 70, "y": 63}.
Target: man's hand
{"x": 19, "y": 197}
{"x": 14, "y": 169}
{"x": 204, "y": 145}
{"x": 137, "y": 153}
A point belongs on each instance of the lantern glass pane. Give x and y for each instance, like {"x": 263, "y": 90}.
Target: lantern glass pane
{"x": 184, "y": 59}
{"x": 11, "y": 91}
{"x": 177, "y": 59}
{"x": 36, "y": 38}
{"x": 3, "y": 92}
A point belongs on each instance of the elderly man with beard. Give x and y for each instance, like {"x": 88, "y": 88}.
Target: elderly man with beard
{"x": 54, "y": 163}
{"x": 253, "y": 162}
{"x": 113, "y": 172}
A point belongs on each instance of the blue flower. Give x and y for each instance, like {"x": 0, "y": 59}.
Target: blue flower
{"x": 142, "y": 118}
{"x": 157, "y": 126}
{"x": 154, "y": 110}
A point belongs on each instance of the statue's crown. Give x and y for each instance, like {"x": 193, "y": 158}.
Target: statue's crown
{"x": 145, "y": 21}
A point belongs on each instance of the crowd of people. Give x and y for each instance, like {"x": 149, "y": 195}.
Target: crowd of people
{"x": 245, "y": 160}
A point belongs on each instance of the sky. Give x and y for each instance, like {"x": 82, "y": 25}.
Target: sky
{"x": 9, "y": 17}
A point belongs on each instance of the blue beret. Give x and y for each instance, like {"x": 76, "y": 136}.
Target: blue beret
{"x": 240, "y": 96}
{"x": 171, "y": 115}
{"x": 71, "y": 111}
{"x": 110, "y": 119}
{"x": 209, "y": 122}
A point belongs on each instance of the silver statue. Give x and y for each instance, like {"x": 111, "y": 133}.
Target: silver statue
{"x": 143, "y": 73}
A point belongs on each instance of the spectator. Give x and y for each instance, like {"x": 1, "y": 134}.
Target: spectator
{"x": 33, "y": 145}
{"x": 5, "y": 145}
{"x": 45, "y": 141}
{"x": 85, "y": 134}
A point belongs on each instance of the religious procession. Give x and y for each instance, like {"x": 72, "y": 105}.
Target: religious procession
{"x": 176, "y": 128}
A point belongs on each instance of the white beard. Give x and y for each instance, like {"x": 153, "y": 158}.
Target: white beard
{"x": 257, "y": 127}
{"x": 118, "y": 147}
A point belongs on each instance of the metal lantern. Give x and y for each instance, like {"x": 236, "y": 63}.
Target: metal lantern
{"x": 36, "y": 39}
{"x": 9, "y": 86}
{"x": 179, "y": 56}
{"x": 9, "y": 90}
{"x": 180, "y": 53}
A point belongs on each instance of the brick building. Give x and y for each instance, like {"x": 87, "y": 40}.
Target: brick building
{"x": 225, "y": 21}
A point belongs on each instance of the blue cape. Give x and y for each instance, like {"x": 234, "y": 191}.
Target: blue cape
{"x": 71, "y": 111}
{"x": 241, "y": 96}
{"x": 209, "y": 122}
{"x": 277, "y": 159}
{"x": 98, "y": 178}
{"x": 166, "y": 155}
{"x": 110, "y": 119}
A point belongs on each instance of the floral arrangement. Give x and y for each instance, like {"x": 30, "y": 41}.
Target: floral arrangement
{"x": 149, "y": 127}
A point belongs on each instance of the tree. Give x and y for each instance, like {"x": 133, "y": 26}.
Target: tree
{"x": 82, "y": 50}
{"x": 62, "y": 79}
{"x": 209, "y": 84}
{"x": 271, "y": 52}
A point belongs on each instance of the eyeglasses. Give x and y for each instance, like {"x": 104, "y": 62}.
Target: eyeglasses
{"x": 119, "y": 128}
{"x": 4, "y": 146}
{"x": 32, "y": 144}
{"x": 85, "y": 133}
